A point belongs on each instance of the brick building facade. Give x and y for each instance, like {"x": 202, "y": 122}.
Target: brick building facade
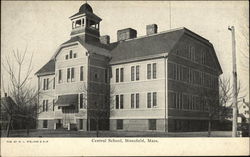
{"x": 162, "y": 81}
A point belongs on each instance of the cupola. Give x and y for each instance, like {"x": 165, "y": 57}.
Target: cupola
{"x": 85, "y": 23}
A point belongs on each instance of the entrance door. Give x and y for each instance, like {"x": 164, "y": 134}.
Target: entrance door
{"x": 81, "y": 124}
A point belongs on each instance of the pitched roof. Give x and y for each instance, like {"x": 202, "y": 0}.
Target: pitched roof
{"x": 154, "y": 45}
{"x": 48, "y": 68}
{"x": 88, "y": 44}
{"x": 145, "y": 46}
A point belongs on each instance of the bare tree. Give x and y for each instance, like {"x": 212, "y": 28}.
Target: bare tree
{"x": 19, "y": 68}
{"x": 219, "y": 108}
{"x": 96, "y": 110}
{"x": 244, "y": 39}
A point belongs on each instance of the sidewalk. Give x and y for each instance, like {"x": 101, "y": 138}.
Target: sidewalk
{"x": 65, "y": 133}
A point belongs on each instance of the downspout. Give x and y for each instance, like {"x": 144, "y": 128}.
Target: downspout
{"x": 165, "y": 89}
{"x": 87, "y": 82}
{"x": 38, "y": 105}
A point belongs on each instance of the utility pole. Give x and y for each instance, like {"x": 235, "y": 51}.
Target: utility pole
{"x": 235, "y": 108}
{"x": 169, "y": 14}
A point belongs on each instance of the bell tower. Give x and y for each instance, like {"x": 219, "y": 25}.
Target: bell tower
{"x": 85, "y": 24}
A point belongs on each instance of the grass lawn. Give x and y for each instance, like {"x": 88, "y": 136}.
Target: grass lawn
{"x": 65, "y": 133}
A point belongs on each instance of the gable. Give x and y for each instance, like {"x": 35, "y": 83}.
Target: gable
{"x": 79, "y": 46}
{"x": 71, "y": 52}
{"x": 196, "y": 49}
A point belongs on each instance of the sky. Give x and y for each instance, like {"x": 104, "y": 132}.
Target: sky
{"x": 41, "y": 26}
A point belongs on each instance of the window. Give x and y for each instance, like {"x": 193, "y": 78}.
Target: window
{"x": 117, "y": 75}
{"x": 149, "y": 100}
{"x": 68, "y": 74}
{"x": 45, "y": 105}
{"x": 154, "y": 70}
{"x": 137, "y": 100}
{"x": 45, "y": 123}
{"x": 151, "y": 71}
{"x": 148, "y": 71}
{"x": 54, "y": 82}
{"x": 185, "y": 101}
{"x": 59, "y": 76}
{"x": 78, "y": 23}
{"x": 80, "y": 124}
{"x": 45, "y": 84}
{"x": 119, "y": 124}
{"x": 179, "y": 100}
{"x": 172, "y": 99}
{"x": 185, "y": 74}
{"x": 119, "y": 101}
{"x": 132, "y": 101}
{"x": 121, "y": 74}
{"x": 152, "y": 124}
{"x": 132, "y": 73}
{"x": 53, "y": 104}
{"x": 81, "y": 101}
{"x": 192, "y": 53}
{"x": 178, "y": 72}
{"x": 154, "y": 99}
{"x": 203, "y": 57}
{"x": 70, "y": 54}
{"x": 190, "y": 76}
{"x": 72, "y": 74}
{"x": 174, "y": 72}
{"x": 171, "y": 72}
{"x": 137, "y": 72}
{"x": 81, "y": 73}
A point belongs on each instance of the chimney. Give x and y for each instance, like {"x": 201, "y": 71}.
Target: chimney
{"x": 125, "y": 34}
{"x": 151, "y": 29}
{"x": 105, "y": 39}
